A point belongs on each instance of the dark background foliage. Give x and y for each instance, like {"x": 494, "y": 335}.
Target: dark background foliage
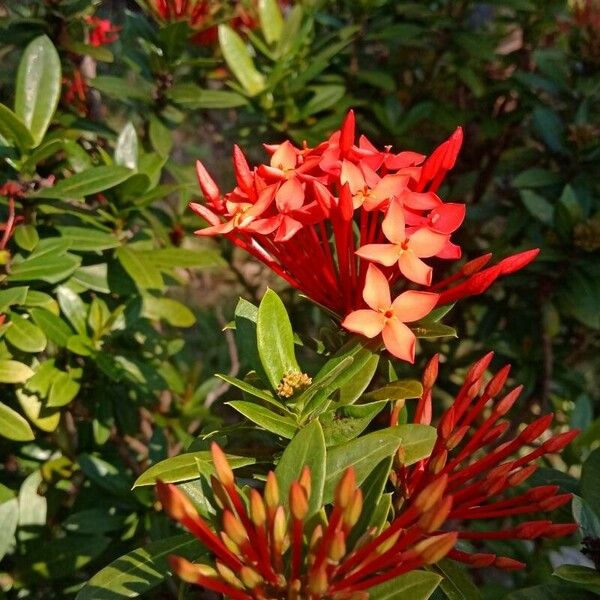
{"x": 137, "y": 304}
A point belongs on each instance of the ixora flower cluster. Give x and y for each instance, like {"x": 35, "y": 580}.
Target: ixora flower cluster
{"x": 345, "y": 223}
{"x": 266, "y": 551}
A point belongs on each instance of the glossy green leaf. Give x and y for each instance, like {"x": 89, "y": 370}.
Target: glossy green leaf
{"x": 537, "y": 206}
{"x": 170, "y": 258}
{"x": 416, "y": 585}
{"x": 14, "y": 427}
{"x": 126, "y": 149}
{"x": 275, "y": 339}
{"x": 185, "y": 467}
{"x": 548, "y": 592}
{"x": 586, "y": 577}
{"x": 86, "y": 239}
{"x": 140, "y": 570}
{"x": 271, "y": 20}
{"x": 9, "y": 518}
{"x": 140, "y": 269}
{"x": 12, "y": 371}
{"x": 73, "y": 307}
{"x": 307, "y": 449}
{"x": 160, "y": 136}
{"x": 240, "y": 61}
{"x": 90, "y": 181}
{"x": 193, "y": 97}
{"x": 63, "y": 390}
{"x": 49, "y": 268}
{"x": 590, "y": 482}
{"x": 362, "y": 453}
{"x": 26, "y": 237}
{"x": 457, "y": 583}
{"x": 44, "y": 418}
{"x": 13, "y": 129}
{"x": 104, "y": 474}
{"x": 38, "y": 86}
{"x": 348, "y": 422}
{"x": 24, "y": 335}
{"x": 324, "y": 97}
{"x": 54, "y": 327}
{"x": 269, "y": 420}
{"x": 586, "y": 518}
{"x": 12, "y": 296}
{"x": 173, "y": 312}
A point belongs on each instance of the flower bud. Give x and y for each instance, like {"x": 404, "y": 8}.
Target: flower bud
{"x": 222, "y": 468}
{"x": 433, "y": 549}
{"x": 272, "y": 491}
{"x": 298, "y": 501}
{"x": 430, "y": 494}
{"x": 344, "y": 492}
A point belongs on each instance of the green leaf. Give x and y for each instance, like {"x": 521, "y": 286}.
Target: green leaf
{"x": 14, "y": 427}
{"x": 401, "y": 389}
{"x": 160, "y": 136}
{"x": 38, "y": 86}
{"x": 348, "y": 422}
{"x": 86, "y": 239}
{"x": 275, "y": 339}
{"x": 126, "y": 149}
{"x": 140, "y": 570}
{"x": 12, "y": 129}
{"x": 307, "y": 448}
{"x": 354, "y": 388}
{"x": 12, "y": 296}
{"x": 90, "y": 181}
{"x": 456, "y": 584}
{"x": 140, "y": 269}
{"x": 33, "y": 507}
{"x": 536, "y": 177}
{"x": 269, "y": 420}
{"x": 24, "y": 335}
{"x": 586, "y": 518}
{"x": 47, "y": 267}
{"x": 271, "y": 20}
{"x": 362, "y": 453}
{"x": 54, "y": 327}
{"x": 185, "y": 467}
{"x": 73, "y": 308}
{"x": 9, "y": 518}
{"x": 26, "y": 237}
{"x": 44, "y": 418}
{"x": 584, "y": 576}
{"x": 432, "y": 329}
{"x": 324, "y": 97}
{"x": 173, "y": 312}
{"x": 192, "y": 97}
{"x": 104, "y": 474}
{"x": 171, "y": 258}
{"x": 416, "y": 585}
{"x": 537, "y": 206}
{"x": 12, "y": 371}
{"x": 590, "y": 482}
{"x": 240, "y": 62}
{"x": 250, "y": 389}
{"x": 548, "y": 592}
{"x": 63, "y": 390}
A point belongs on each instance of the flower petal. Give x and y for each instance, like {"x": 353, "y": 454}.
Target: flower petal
{"x": 290, "y": 196}
{"x": 420, "y": 200}
{"x": 413, "y": 305}
{"x": 394, "y": 225}
{"x": 376, "y": 292}
{"x": 284, "y": 157}
{"x": 366, "y": 322}
{"x": 384, "y": 254}
{"x": 288, "y": 228}
{"x": 414, "y": 268}
{"x": 425, "y": 243}
{"x": 264, "y": 201}
{"x": 353, "y": 176}
{"x": 447, "y": 218}
{"x": 399, "y": 340}
{"x": 389, "y": 186}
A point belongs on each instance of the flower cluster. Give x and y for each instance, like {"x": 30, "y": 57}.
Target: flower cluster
{"x": 102, "y": 31}
{"x": 484, "y": 464}
{"x": 203, "y": 16}
{"x": 266, "y": 551}
{"x": 345, "y": 223}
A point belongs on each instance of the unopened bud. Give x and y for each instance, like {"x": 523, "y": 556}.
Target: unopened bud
{"x": 531, "y": 529}
{"x": 219, "y": 493}
{"x": 188, "y": 571}
{"x": 522, "y": 475}
{"x": 558, "y": 442}
{"x": 337, "y": 550}
{"x": 292, "y": 382}
{"x": 298, "y": 501}
{"x": 174, "y": 502}
{"x": 535, "y": 429}
{"x": 476, "y": 264}
{"x": 438, "y": 462}
{"x": 479, "y": 368}
{"x": 228, "y": 576}
{"x": 561, "y": 529}
{"x": 457, "y": 436}
{"x": 508, "y": 564}
{"x": 344, "y": 492}
{"x": 433, "y": 549}
{"x": 496, "y": 383}
{"x": 353, "y": 510}
{"x": 430, "y": 494}
{"x": 257, "y": 509}
{"x": 318, "y": 582}
{"x": 279, "y": 527}
{"x": 304, "y": 481}
{"x": 250, "y": 577}
{"x": 447, "y": 422}
{"x": 222, "y": 468}
{"x": 435, "y": 517}
{"x": 507, "y": 402}
{"x": 234, "y": 528}
{"x": 431, "y": 372}
{"x": 555, "y": 502}
{"x": 272, "y": 491}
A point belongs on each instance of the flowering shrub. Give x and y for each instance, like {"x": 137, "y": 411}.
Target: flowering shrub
{"x": 334, "y": 433}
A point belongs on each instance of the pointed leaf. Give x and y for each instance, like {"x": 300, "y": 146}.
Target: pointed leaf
{"x": 269, "y": 420}
{"x": 416, "y": 585}
{"x": 14, "y": 427}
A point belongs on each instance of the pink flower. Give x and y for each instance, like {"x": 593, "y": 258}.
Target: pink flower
{"x": 388, "y": 318}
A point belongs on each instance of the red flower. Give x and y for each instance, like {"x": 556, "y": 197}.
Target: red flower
{"x": 340, "y": 206}
{"x": 264, "y": 551}
{"x": 76, "y": 90}
{"x": 203, "y": 16}
{"x": 102, "y": 31}
{"x": 484, "y": 465}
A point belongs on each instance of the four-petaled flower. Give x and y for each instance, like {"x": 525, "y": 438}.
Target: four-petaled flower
{"x": 388, "y": 318}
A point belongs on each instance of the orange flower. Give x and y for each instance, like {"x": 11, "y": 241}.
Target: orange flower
{"x": 388, "y": 318}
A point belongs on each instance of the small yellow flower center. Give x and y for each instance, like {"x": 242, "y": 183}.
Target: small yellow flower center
{"x": 292, "y": 382}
